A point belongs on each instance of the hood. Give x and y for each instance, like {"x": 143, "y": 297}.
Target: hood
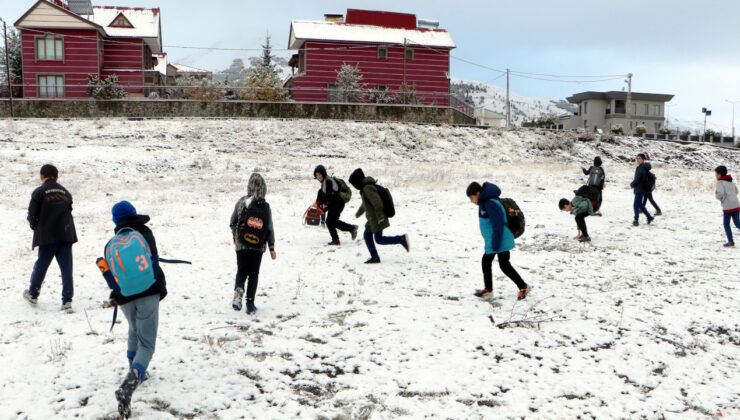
{"x": 132, "y": 222}
{"x": 489, "y": 191}
{"x": 256, "y": 187}
{"x": 356, "y": 178}
{"x": 727, "y": 178}
{"x": 647, "y": 165}
{"x": 320, "y": 170}
{"x": 597, "y": 161}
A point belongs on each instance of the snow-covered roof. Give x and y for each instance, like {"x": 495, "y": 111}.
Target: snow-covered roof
{"x": 161, "y": 66}
{"x": 302, "y": 30}
{"x": 145, "y": 22}
{"x": 182, "y": 68}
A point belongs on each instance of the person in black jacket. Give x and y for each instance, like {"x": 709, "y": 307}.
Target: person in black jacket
{"x": 641, "y": 185}
{"x": 330, "y": 194}
{"x": 596, "y": 178}
{"x": 141, "y": 309}
{"x": 50, "y": 218}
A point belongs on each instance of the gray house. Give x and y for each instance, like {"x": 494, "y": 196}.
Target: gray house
{"x": 609, "y": 110}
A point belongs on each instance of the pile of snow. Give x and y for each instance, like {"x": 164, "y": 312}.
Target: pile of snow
{"x": 642, "y": 322}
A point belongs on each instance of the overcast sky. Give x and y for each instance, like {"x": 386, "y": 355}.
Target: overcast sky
{"x": 681, "y": 47}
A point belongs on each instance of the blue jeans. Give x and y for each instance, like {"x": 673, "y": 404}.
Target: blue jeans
{"x": 649, "y": 196}
{"x": 143, "y": 319}
{"x": 63, "y": 254}
{"x": 639, "y": 206}
{"x": 736, "y": 219}
{"x": 381, "y": 240}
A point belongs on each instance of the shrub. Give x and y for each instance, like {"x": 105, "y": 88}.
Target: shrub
{"x": 640, "y": 129}
{"x": 617, "y": 129}
{"x": 106, "y": 89}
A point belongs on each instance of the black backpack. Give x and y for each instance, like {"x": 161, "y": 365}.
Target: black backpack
{"x": 649, "y": 181}
{"x": 592, "y": 193}
{"x": 514, "y": 216}
{"x": 389, "y": 210}
{"x": 596, "y": 177}
{"x": 252, "y": 226}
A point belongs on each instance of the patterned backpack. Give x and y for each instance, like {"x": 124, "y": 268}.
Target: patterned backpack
{"x": 130, "y": 260}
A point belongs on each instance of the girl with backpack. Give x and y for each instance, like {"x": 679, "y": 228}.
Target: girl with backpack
{"x": 335, "y": 194}
{"x": 252, "y": 232}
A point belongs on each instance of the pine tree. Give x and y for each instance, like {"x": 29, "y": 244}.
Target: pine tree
{"x": 15, "y": 59}
{"x": 263, "y": 80}
{"x": 349, "y": 84}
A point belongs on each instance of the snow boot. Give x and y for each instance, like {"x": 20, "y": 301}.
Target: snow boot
{"x": 250, "y": 307}
{"x": 126, "y": 391}
{"x": 650, "y": 220}
{"x": 584, "y": 239}
{"x": 353, "y": 232}
{"x": 635, "y": 223}
{"x": 658, "y": 213}
{"x": 729, "y": 245}
{"x": 334, "y": 242}
{"x": 483, "y": 293}
{"x": 373, "y": 261}
{"x": 237, "y": 302}
{"x": 405, "y": 243}
{"x": 31, "y": 300}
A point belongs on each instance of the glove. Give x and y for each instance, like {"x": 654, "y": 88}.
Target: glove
{"x": 102, "y": 265}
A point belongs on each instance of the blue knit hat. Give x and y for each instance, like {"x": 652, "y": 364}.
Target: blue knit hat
{"x": 121, "y": 210}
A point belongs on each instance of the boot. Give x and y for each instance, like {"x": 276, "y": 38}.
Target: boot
{"x": 126, "y": 391}
{"x": 237, "y": 302}
{"x": 353, "y": 232}
{"x": 250, "y": 307}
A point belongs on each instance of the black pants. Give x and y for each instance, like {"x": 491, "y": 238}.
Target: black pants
{"x": 581, "y": 223}
{"x": 248, "y": 265}
{"x": 505, "y": 265}
{"x": 649, "y": 196}
{"x": 336, "y": 206}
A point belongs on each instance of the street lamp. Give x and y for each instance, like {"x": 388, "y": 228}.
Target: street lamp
{"x": 733, "y": 116}
{"x": 706, "y": 114}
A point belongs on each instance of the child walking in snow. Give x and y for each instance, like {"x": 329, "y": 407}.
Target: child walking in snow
{"x": 131, "y": 269}
{"x": 726, "y": 193}
{"x": 499, "y": 240}
{"x": 252, "y": 231}
{"x": 334, "y": 193}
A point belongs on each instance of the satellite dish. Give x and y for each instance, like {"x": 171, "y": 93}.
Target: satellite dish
{"x": 80, "y": 7}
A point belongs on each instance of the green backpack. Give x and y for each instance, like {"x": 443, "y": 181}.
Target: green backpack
{"x": 344, "y": 192}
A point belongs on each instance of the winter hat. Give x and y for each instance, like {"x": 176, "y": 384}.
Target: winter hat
{"x": 597, "y": 161}
{"x": 122, "y": 210}
{"x": 356, "y": 178}
{"x": 320, "y": 170}
{"x": 256, "y": 187}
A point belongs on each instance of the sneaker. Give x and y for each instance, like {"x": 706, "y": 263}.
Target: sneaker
{"x": 237, "y": 302}
{"x": 650, "y": 220}
{"x": 126, "y": 391}
{"x": 67, "y": 306}
{"x": 353, "y": 232}
{"x": 727, "y": 245}
{"x": 523, "y": 293}
{"x": 405, "y": 243}
{"x": 635, "y": 223}
{"x": 250, "y": 307}
{"x": 336, "y": 242}
{"x": 373, "y": 261}
{"x": 483, "y": 293}
{"x": 658, "y": 213}
{"x": 584, "y": 239}
{"x": 27, "y": 296}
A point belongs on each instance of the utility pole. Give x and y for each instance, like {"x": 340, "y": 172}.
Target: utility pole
{"x": 508, "y": 104}
{"x": 7, "y": 69}
{"x": 629, "y": 100}
{"x": 404, "y": 62}
{"x": 706, "y": 113}
{"x": 733, "y": 116}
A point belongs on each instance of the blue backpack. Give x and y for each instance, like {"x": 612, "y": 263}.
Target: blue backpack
{"x": 130, "y": 260}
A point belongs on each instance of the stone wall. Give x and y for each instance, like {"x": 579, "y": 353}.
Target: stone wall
{"x": 134, "y": 108}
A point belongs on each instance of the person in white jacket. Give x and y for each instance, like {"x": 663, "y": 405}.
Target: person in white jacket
{"x": 726, "y": 193}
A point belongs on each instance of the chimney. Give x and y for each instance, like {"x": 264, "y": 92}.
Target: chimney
{"x": 334, "y": 18}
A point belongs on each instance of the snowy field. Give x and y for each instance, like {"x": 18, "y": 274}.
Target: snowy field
{"x": 641, "y": 323}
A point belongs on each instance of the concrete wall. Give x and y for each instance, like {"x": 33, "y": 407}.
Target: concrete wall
{"x": 39, "y": 108}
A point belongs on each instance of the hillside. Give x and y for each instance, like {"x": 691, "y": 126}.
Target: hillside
{"x": 641, "y": 323}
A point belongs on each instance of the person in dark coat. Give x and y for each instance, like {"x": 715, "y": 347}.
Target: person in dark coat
{"x": 640, "y": 184}
{"x": 50, "y": 218}
{"x": 330, "y": 194}
{"x": 372, "y": 206}
{"x": 141, "y": 309}
{"x": 596, "y": 178}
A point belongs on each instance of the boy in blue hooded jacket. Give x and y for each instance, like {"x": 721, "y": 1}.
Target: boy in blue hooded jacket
{"x": 498, "y": 238}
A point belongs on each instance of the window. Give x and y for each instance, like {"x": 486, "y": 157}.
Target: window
{"x": 647, "y": 109}
{"x": 49, "y": 48}
{"x": 383, "y": 88}
{"x": 634, "y": 109}
{"x": 121, "y": 22}
{"x": 585, "y": 108}
{"x": 51, "y": 86}
{"x": 382, "y": 52}
{"x": 409, "y": 54}
{"x": 657, "y": 127}
{"x": 149, "y": 79}
{"x": 656, "y": 110}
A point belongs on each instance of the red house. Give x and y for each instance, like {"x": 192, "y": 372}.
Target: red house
{"x": 65, "y": 41}
{"x": 390, "y": 49}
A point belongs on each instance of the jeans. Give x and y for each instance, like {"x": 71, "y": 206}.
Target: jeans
{"x": 381, "y": 240}
{"x": 639, "y": 206}
{"x": 649, "y": 196}
{"x": 581, "y": 223}
{"x": 248, "y": 263}
{"x": 143, "y": 319}
{"x": 63, "y": 254}
{"x": 735, "y": 217}
{"x": 336, "y": 206}
{"x": 506, "y": 267}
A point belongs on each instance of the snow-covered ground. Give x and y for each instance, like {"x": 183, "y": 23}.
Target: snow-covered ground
{"x": 641, "y": 323}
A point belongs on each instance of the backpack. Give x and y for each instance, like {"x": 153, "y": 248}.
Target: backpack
{"x": 389, "y": 210}
{"x": 650, "y": 181}
{"x": 344, "y": 192}
{"x": 596, "y": 176}
{"x": 251, "y": 227}
{"x": 312, "y": 216}
{"x": 592, "y": 193}
{"x": 130, "y": 260}
{"x": 514, "y": 216}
